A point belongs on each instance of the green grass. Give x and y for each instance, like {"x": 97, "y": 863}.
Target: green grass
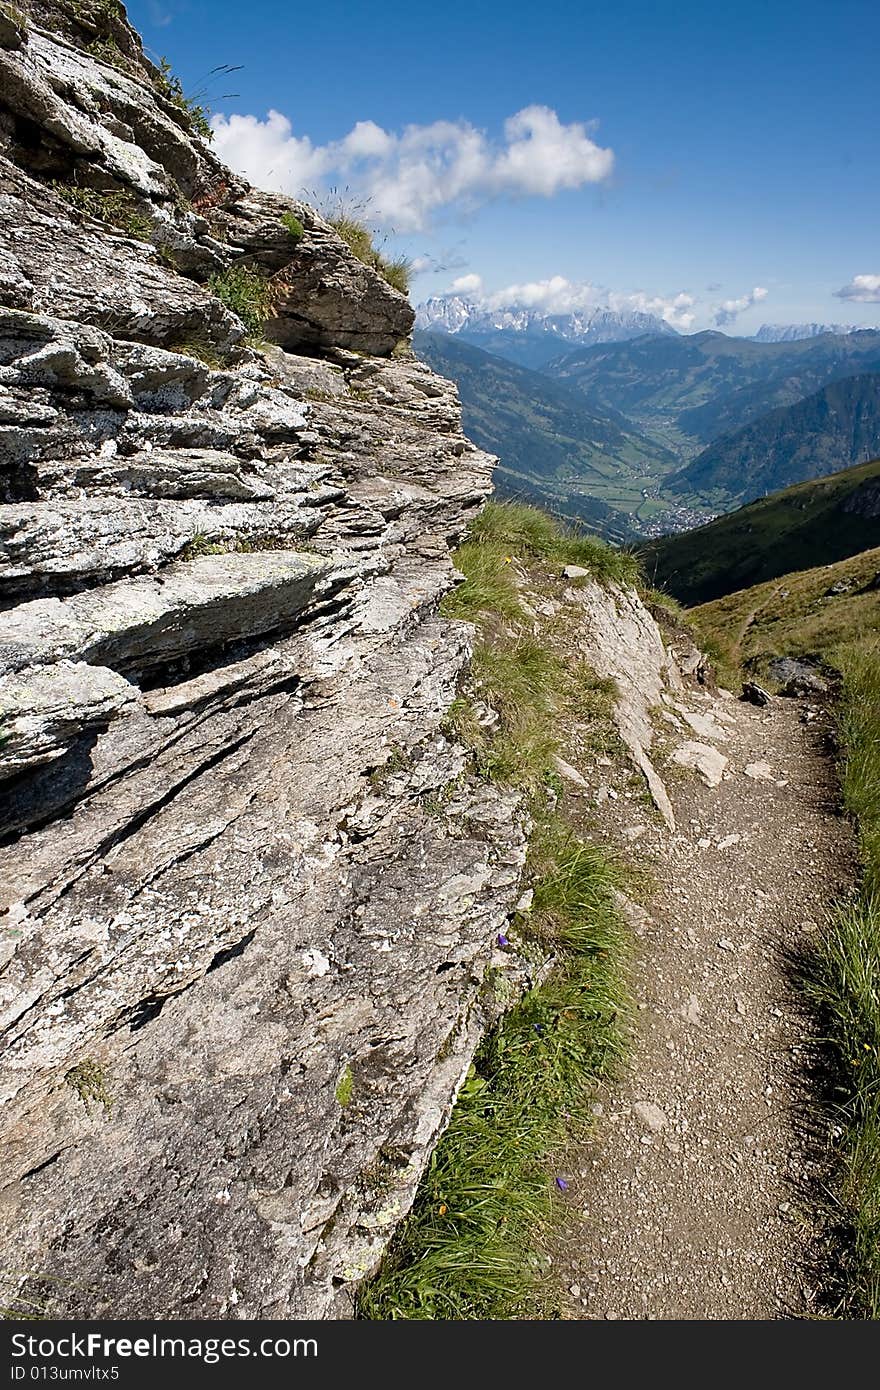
{"x": 345, "y": 1088}
{"x": 794, "y": 615}
{"x": 119, "y": 209}
{"x": 395, "y": 270}
{"x": 88, "y": 1080}
{"x": 246, "y": 292}
{"x": 530, "y": 532}
{"x": 472, "y": 1245}
{"x": 196, "y": 115}
{"x": 489, "y": 586}
{"x": 843, "y": 982}
{"x": 294, "y": 226}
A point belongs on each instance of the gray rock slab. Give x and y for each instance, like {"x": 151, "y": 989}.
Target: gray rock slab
{"x": 146, "y": 622}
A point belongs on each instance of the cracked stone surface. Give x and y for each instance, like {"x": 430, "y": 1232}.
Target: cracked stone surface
{"x": 246, "y": 876}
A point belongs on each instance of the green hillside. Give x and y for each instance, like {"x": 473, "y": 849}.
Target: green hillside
{"x": 809, "y": 613}
{"x": 553, "y": 448}
{"x": 834, "y": 428}
{"x": 825, "y": 520}
{"x": 687, "y": 391}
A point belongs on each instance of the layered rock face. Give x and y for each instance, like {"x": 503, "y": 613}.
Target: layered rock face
{"x": 250, "y": 888}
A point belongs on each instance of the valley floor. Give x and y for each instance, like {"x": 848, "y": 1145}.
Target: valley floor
{"x": 697, "y": 1196}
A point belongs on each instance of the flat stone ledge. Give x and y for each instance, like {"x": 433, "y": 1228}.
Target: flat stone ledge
{"x": 190, "y": 606}
{"x": 43, "y": 708}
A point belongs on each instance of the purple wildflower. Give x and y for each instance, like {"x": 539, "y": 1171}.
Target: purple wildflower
{"x": 503, "y": 940}
{"x": 562, "y": 1184}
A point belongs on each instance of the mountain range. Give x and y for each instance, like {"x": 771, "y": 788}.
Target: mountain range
{"x": 533, "y": 337}
{"x": 654, "y": 431}
{"x": 791, "y": 332}
{"x": 692, "y": 389}
{"x": 553, "y": 448}
{"x": 831, "y": 429}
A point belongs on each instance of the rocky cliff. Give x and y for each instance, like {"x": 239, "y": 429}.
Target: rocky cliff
{"x": 251, "y": 887}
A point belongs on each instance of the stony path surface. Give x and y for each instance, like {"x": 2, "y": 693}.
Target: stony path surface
{"x": 693, "y": 1199}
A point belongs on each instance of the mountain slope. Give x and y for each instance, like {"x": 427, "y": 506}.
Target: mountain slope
{"x": 824, "y": 520}
{"x": 551, "y": 445}
{"x": 806, "y": 613}
{"x": 689, "y": 390}
{"x": 832, "y": 429}
{"x": 532, "y": 337}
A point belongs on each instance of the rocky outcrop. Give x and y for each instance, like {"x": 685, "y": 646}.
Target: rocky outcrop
{"x": 250, "y": 889}
{"x": 251, "y": 884}
{"x": 623, "y": 644}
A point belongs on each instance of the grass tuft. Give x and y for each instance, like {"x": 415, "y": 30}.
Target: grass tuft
{"x": 246, "y": 292}
{"x": 843, "y": 983}
{"x": 345, "y": 1088}
{"x": 196, "y": 116}
{"x": 294, "y": 226}
{"x": 119, "y": 209}
{"x": 530, "y": 532}
{"x": 395, "y": 270}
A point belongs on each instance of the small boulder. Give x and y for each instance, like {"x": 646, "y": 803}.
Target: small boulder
{"x": 703, "y": 759}
{"x": 754, "y": 694}
{"x": 797, "y": 677}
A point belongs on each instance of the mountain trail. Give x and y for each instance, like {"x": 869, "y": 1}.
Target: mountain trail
{"x": 695, "y": 1197}
{"x": 748, "y": 620}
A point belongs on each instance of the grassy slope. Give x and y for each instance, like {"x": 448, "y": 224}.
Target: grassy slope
{"x": 842, "y": 978}
{"x": 786, "y": 531}
{"x": 470, "y": 1248}
{"x": 834, "y": 428}
{"x": 794, "y": 615}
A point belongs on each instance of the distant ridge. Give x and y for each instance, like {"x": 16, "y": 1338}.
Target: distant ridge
{"x": 530, "y": 336}
{"x": 834, "y": 428}
{"x": 794, "y": 332}
{"x": 814, "y": 523}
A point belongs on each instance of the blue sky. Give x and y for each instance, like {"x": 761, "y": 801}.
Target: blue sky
{"x": 674, "y": 156}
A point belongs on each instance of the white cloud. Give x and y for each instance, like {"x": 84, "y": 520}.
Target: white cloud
{"x": 269, "y": 153}
{"x": 557, "y": 295}
{"x": 728, "y": 311}
{"x": 674, "y": 310}
{"x": 467, "y": 284}
{"x": 553, "y": 296}
{"x": 544, "y": 156}
{"x": 409, "y": 176}
{"x": 862, "y": 289}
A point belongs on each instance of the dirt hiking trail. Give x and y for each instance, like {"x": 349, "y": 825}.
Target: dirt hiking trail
{"x": 696, "y": 1197}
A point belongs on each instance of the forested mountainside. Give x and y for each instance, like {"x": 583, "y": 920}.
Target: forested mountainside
{"x": 809, "y": 524}
{"x": 830, "y": 430}
{"x": 550, "y": 445}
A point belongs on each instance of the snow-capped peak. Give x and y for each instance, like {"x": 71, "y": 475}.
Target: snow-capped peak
{"x": 453, "y": 314}
{"x": 793, "y": 332}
